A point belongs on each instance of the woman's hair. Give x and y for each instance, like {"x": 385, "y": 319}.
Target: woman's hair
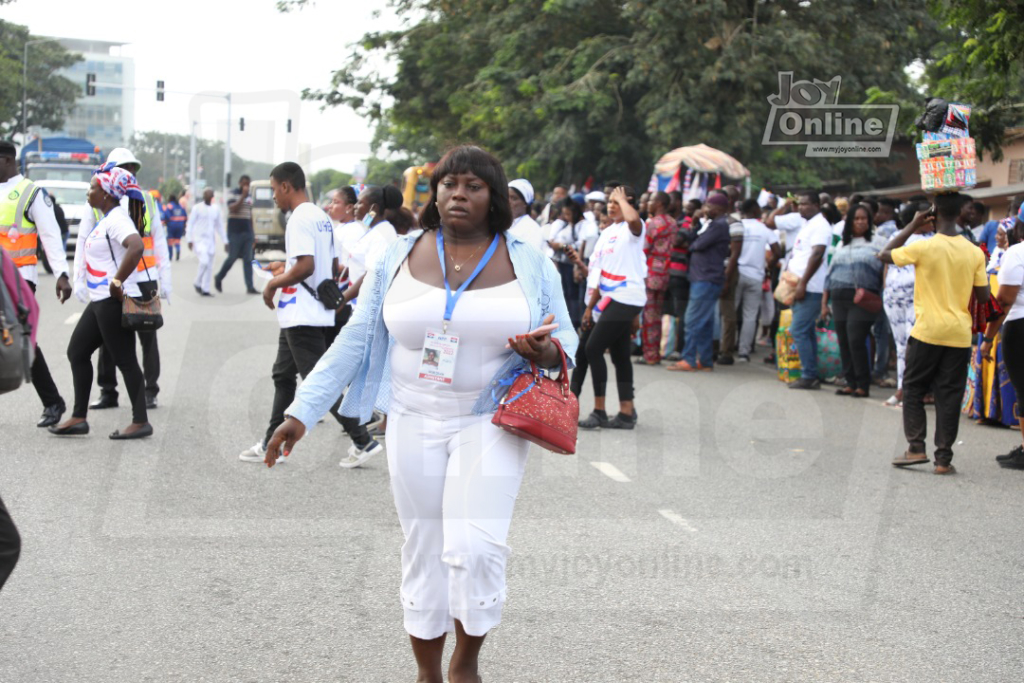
{"x": 470, "y": 159}
{"x": 848, "y": 226}
{"x": 137, "y": 211}
{"x": 574, "y": 208}
{"x": 348, "y": 193}
{"x": 831, "y": 213}
{"x": 404, "y": 221}
{"x": 388, "y": 200}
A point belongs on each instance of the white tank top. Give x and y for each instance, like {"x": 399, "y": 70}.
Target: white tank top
{"x": 484, "y": 319}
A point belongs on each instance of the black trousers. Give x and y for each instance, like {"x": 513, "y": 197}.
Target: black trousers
{"x": 679, "y": 295}
{"x": 1013, "y": 355}
{"x": 46, "y": 388}
{"x": 571, "y": 290}
{"x": 853, "y": 326}
{"x": 240, "y": 241}
{"x": 298, "y": 351}
{"x": 106, "y": 377}
{"x": 612, "y": 332}
{"x": 10, "y": 544}
{"x": 944, "y": 369}
{"x": 100, "y": 326}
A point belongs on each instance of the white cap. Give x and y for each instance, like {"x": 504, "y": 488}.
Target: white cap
{"x": 121, "y": 156}
{"x": 596, "y": 196}
{"x": 523, "y": 186}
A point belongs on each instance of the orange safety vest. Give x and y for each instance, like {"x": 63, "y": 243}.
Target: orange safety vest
{"x": 17, "y": 233}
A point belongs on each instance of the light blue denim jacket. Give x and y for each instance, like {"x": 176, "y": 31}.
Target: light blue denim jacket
{"x": 360, "y": 357}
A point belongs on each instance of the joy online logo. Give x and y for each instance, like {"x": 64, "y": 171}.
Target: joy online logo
{"x": 808, "y": 113}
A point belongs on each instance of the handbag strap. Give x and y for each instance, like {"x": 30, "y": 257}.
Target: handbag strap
{"x": 114, "y": 259}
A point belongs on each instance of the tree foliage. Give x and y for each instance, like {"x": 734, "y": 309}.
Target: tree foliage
{"x": 328, "y": 179}
{"x": 165, "y": 156}
{"x": 564, "y": 89}
{"x": 50, "y": 98}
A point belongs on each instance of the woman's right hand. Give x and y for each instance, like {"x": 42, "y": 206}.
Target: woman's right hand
{"x": 288, "y": 434}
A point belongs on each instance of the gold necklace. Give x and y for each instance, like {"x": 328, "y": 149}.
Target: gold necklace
{"x": 458, "y": 267}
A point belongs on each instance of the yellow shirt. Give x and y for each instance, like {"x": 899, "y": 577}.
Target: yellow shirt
{"x": 946, "y": 271}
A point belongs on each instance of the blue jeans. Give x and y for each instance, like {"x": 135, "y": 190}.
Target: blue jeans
{"x": 805, "y": 314}
{"x": 700, "y": 323}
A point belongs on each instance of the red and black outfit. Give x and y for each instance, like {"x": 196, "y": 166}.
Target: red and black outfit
{"x": 661, "y": 233}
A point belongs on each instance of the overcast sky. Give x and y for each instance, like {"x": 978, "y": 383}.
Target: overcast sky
{"x": 248, "y": 48}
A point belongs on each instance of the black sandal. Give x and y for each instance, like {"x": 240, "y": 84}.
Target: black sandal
{"x": 141, "y": 433}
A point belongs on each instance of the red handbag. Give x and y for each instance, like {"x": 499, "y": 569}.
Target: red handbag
{"x": 541, "y": 410}
{"x": 868, "y": 300}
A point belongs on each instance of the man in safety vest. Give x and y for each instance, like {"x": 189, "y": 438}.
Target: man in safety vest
{"x": 156, "y": 261}
{"x": 26, "y": 219}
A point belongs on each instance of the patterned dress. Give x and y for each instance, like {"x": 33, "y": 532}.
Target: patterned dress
{"x": 661, "y": 231}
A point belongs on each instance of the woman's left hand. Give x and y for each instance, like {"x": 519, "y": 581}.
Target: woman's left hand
{"x": 533, "y": 348}
{"x": 117, "y": 292}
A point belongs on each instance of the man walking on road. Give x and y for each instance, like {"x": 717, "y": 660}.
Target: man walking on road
{"x": 204, "y": 226}
{"x": 304, "y": 320}
{"x": 156, "y": 257}
{"x": 26, "y": 218}
{"x": 240, "y": 235}
{"x": 947, "y": 269}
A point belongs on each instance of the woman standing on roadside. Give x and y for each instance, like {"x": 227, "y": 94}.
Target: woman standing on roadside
{"x": 619, "y": 294}
{"x": 855, "y": 269}
{"x": 661, "y": 232}
{"x": 464, "y": 288}
{"x": 112, "y": 253}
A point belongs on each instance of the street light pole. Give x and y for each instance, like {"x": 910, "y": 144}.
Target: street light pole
{"x": 24, "y": 87}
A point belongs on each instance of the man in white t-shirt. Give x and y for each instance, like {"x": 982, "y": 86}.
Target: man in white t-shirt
{"x": 304, "y": 320}
{"x": 813, "y": 235}
{"x": 758, "y": 239}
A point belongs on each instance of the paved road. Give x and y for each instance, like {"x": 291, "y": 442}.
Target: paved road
{"x": 741, "y": 533}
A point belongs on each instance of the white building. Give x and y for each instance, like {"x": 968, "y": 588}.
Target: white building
{"x": 107, "y": 118}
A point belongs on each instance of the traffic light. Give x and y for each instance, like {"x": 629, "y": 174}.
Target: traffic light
{"x": 159, "y": 91}
{"x": 241, "y": 124}
{"x": 90, "y": 85}
{"x": 289, "y": 125}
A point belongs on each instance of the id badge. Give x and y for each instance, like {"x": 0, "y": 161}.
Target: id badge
{"x": 438, "y": 362}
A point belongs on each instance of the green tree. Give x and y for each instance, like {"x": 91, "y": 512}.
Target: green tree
{"x": 165, "y": 156}
{"x": 326, "y": 180}
{"x": 564, "y": 89}
{"x": 171, "y": 186}
{"x": 50, "y": 98}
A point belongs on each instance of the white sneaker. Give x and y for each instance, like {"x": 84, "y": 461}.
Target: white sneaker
{"x": 258, "y": 454}
{"x": 358, "y": 456}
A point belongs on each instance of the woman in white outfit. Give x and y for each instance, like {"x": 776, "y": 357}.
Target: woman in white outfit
{"x": 204, "y": 226}
{"x": 427, "y": 346}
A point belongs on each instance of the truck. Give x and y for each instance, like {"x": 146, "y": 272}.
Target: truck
{"x": 63, "y": 168}
{"x": 416, "y": 187}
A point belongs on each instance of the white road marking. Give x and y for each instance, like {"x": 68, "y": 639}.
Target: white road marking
{"x": 611, "y": 471}
{"x": 73, "y": 319}
{"x": 677, "y": 520}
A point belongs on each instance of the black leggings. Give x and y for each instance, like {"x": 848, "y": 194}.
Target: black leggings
{"x": 853, "y": 325}
{"x": 100, "y": 325}
{"x": 612, "y": 332}
{"x": 1013, "y": 354}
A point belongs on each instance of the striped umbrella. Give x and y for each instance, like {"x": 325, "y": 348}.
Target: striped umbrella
{"x": 700, "y": 158}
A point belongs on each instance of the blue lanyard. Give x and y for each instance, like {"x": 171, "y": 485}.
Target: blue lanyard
{"x": 454, "y": 298}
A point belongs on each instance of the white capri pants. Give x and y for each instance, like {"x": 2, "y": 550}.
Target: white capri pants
{"x": 455, "y": 483}
{"x": 204, "y": 275}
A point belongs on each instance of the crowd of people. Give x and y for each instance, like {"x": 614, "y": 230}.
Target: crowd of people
{"x": 412, "y": 327}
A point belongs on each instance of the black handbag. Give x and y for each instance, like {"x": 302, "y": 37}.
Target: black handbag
{"x": 327, "y": 292}
{"x": 141, "y": 314}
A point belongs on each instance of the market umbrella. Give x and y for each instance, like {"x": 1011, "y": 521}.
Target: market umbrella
{"x": 700, "y": 158}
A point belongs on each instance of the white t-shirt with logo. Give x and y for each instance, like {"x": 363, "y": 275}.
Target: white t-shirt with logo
{"x": 756, "y": 238}
{"x": 309, "y": 233}
{"x": 816, "y": 233}
{"x": 789, "y": 225}
{"x": 1011, "y": 274}
{"x": 622, "y": 265}
{"x": 100, "y": 266}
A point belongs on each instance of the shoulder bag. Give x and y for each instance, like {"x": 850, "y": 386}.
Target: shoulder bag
{"x": 540, "y": 409}
{"x": 142, "y": 314}
{"x": 867, "y": 300}
{"x": 327, "y": 292}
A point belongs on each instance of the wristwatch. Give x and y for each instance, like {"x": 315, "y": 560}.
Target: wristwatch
{"x": 114, "y": 281}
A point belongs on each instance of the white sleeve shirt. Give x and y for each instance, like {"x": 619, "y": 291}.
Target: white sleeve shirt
{"x": 41, "y": 213}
